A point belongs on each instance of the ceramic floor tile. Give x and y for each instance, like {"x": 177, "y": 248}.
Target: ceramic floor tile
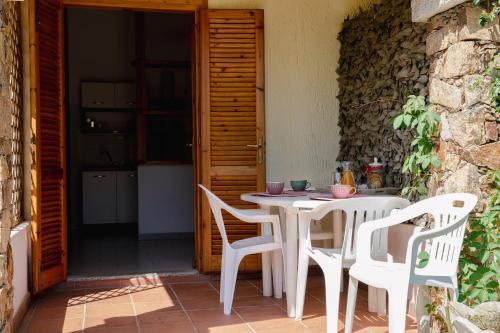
{"x": 155, "y": 308}
{"x": 109, "y": 310}
{"x": 145, "y": 307}
{"x": 42, "y": 325}
{"x": 59, "y": 312}
{"x": 163, "y": 317}
{"x": 169, "y": 327}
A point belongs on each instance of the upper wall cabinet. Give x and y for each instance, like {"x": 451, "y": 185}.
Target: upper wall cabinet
{"x": 125, "y": 95}
{"x": 108, "y": 95}
{"x": 98, "y": 95}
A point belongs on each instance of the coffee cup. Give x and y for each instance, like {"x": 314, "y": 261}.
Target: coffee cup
{"x": 275, "y": 187}
{"x": 342, "y": 191}
{"x": 300, "y": 185}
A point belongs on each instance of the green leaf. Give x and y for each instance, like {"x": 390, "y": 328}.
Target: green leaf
{"x": 423, "y": 259}
{"x": 407, "y": 119}
{"x": 435, "y": 161}
{"x": 398, "y": 120}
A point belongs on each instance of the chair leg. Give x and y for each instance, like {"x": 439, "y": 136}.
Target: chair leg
{"x": 231, "y": 272}
{"x": 277, "y": 269}
{"x": 454, "y": 291}
{"x": 381, "y": 302}
{"x": 303, "y": 267}
{"x": 332, "y": 288}
{"x": 351, "y": 304}
{"x": 222, "y": 276}
{"x": 266, "y": 274}
{"x": 397, "y": 309}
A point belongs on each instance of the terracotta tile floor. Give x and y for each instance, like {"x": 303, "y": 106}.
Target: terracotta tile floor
{"x": 183, "y": 305}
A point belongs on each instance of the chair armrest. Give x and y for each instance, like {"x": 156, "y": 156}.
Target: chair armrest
{"x": 365, "y": 231}
{"x": 417, "y": 239}
{"x": 248, "y": 217}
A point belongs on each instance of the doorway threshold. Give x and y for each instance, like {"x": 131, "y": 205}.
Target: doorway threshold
{"x": 133, "y": 280}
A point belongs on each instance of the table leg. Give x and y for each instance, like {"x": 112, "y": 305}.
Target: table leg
{"x": 291, "y": 262}
{"x": 267, "y": 285}
{"x": 338, "y": 234}
{"x": 338, "y": 237}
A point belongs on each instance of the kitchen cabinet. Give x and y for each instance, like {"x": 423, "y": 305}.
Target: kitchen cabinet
{"x": 108, "y": 95}
{"x": 126, "y": 196}
{"x": 125, "y": 95}
{"x": 109, "y": 197}
{"x": 99, "y": 197}
{"x": 98, "y": 95}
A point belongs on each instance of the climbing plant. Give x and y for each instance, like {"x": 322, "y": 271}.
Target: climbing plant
{"x": 491, "y": 10}
{"x": 480, "y": 256}
{"x": 417, "y": 116}
{"x": 492, "y": 73}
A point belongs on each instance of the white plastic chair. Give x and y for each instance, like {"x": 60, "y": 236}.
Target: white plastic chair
{"x": 233, "y": 253}
{"x": 333, "y": 260}
{"x": 443, "y": 243}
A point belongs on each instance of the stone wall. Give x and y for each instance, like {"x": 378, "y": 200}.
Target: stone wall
{"x": 9, "y": 149}
{"x": 382, "y": 61}
{"x": 459, "y": 51}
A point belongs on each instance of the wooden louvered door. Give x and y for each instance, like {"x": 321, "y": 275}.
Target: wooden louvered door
{"x": 232, "y": 122}
{"x": 47, "y": 96}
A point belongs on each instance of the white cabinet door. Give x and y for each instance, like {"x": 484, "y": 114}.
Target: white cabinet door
{"x": 99, "y": 197}
{"x": 98, "y": 95}
{"x": 126, "y": 196}
{"x": 125, "y": 96}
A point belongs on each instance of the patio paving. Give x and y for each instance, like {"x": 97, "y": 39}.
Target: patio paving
{"x": 183, "y": 305}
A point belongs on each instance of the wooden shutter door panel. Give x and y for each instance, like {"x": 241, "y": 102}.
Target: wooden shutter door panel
{"x": 49, "y": 219}
{"x": 232, "y": 120}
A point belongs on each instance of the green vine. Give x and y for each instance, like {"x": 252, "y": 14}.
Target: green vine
{"x": 492, "y": 73}
{"x": 419, "y": 117}
{"x": 480, "y": 256}
{"x": 491, "y": 10}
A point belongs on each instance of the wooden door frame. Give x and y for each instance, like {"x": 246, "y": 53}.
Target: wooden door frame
{"x": 180, "y": 6}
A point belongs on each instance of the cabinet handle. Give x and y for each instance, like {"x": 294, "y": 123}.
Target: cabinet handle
{"x": 100, "y": 176}
{"x": 130, "y": 103}
{"x": 132, "y": 175}
{"x": 98, "y": 102}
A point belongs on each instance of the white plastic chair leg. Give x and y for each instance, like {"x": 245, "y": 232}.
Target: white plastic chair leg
{"x": 303, "y": 266}
{"x": 277, "y": 269}
{"x": 397, "y": 309}
{"x": 222, "y": 276}
{"x": 381, "y": 301}
{"x": 351, "y": 304}
{"x": 332, "y": 289}
{"x": 231, "y": 272}
{"x": 266, "y": 274}
{"x": 454, "y": 291}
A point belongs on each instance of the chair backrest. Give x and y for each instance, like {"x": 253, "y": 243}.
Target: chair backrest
{"x": 450, "y": 213}
{"x": 358, "y": 211}
{"x": 217, "y": 205}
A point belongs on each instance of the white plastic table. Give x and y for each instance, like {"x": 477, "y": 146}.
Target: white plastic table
{"x": 289, "y": 213}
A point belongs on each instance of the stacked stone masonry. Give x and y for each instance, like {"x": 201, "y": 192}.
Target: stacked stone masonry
{"x": 459, "y": 51}
{"x": 382, "y": 61}
{"x": 10, "y": 160}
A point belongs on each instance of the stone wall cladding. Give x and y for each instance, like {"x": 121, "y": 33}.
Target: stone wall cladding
{"x": 459, "y": 50}
{"x": 382, "y": 61}
{"x": 9, "y": 152}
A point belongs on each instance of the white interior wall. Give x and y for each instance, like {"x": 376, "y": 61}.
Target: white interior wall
{"x": 301, "y": 56}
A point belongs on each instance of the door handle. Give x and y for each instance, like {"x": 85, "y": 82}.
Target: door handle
{"x": 259, "y": 149}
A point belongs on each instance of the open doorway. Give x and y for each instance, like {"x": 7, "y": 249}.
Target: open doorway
{"x": 129, "y": 137}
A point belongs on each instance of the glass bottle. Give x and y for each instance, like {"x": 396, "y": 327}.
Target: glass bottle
{"x": 347, "y": 175}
